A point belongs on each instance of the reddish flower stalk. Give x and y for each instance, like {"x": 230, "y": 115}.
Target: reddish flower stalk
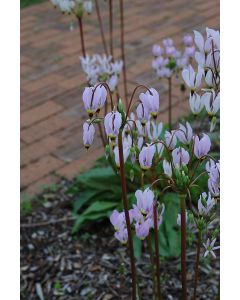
{"x": 170, "y": 103}
{"x": 101, "y": 27}
{"x": 197, "y": 265}
{"x": 155, "y": 217}
{"x": 110, "y": 28}
{"x": 123, "y": 51}
{"x": 183, "y": 247}
{"x": 125, "y": 205}
{"x": 81, "y": 36}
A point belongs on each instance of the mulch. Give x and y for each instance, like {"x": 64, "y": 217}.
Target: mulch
{"x": 91, "y": 265}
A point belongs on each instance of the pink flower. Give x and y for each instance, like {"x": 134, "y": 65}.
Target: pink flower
{"x": 151, "y": 101}
{"x": 192, "y": 79}
{"x": 143, "y": 228}
{"x": 146, "y": 157}
{"x": 88, "y": 134}
{"x": 93, "y": 103}
{"x": 185, "y": 133}
{"x": 112, "y": 123}
{"x": 202, "y": 146}
{"x": 157, "y": 50}
{"x": 180, "y": 157}
{"x": 144, "y": 200}
{"x": 171, "y": 139}
{"x": 167, "y": 168}
{"x": 143, "y": 113}
{"x": 188, "y": 40}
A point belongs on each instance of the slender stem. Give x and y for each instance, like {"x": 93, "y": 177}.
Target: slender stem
{"x": 170, "y": 103}
{"x": 155, "y": 217}
{"x": 81, "y": 36}
{"x": 123, "y": 51}
{"x": 111, "y": 28}
{"x": 125, "y": 204}
{"x": 197, "y": 265}
{"x": 149, "y": 244}
{"x": 101, "y": 27}
{"x": 183, "y": 247}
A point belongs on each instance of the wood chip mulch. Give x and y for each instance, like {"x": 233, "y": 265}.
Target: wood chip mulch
{"x": 91, "y": 265}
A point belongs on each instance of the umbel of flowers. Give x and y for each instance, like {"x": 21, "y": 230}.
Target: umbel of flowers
{"x": 135, "y": 134}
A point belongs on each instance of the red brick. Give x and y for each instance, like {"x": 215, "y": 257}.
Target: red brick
{"x": 41, "y": 168}
{"x": 44, "y": 128}
{"x": 39, "y": 149}
{"x": 39, "y": 112}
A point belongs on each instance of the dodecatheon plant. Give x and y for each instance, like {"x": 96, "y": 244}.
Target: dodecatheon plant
{"x": 196, "y": 103}
{"x": 192, "y": 79}
{"x": 144, "y": 200}
{"x": 214, "y": 35}
{"x": 189, "y": 52}
{"x": 157, "y": 50}
{"x": 209, "y": 247}
{"x": 160, "y": 213}
{"x": 101, "y": 68}
{"x": 126, "y": 152}
{"x": 204, "y": 46}
{"x": 146, "y": 157}
{"x": 160, "y": 149}
{"x": 180, "y": 157}
{"x": 88, "y": 134}
{"x": 122, "y": 235}
{"x": 112, "y": 124}
{"x": 185, "y": 133}
{"x": 213, "y": 170}
{"x": 205, "y": 204}
{"x": 202, "y": 146}
{"x": 142, "y": 228}
{"x": 170, "y": 51}
{"x": 188, "y": 40}
{"x": 167, "y": 168}
{"x": 154, "y": 131}
{"x": 94, "y": 100}
{"x": 211, "y": 102}
{"x": 168, "y": 42}
{"x": 143, "y": 113}
{"x": 151, "y": 101}
{"x": 171, "y": 139}
{"x": 117, "y": 219}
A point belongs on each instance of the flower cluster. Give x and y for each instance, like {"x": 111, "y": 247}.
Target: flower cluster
{"x": 204, "y": 81}
{"x": 102, "y": 68}
{"x": 141, "y": 217}
{"x": 168, "y": 59}
{"x": 76, "y": 7}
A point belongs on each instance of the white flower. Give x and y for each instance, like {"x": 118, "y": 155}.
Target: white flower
{"x": 209, "y": 246}
{"x": 211, "y": 102}
{"x": 205, "y": 208}
{"x": 196, "y": 103}
{"x": 167, "y": 168}
{"x": 192, "y": 79}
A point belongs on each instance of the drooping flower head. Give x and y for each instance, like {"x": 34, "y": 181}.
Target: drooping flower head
{"x": 144, "y": 200}
{"x": 196, "y": 103}
{"x": 171, "y": 139}
{"x": 167, "y": 168}
{"x": 112, "y": 124}
{"x": 146, "y": 157}
{"x": 180, "y": 157}
{"x": 202, "y": 146}
{"x": 88, "y": 134}
{"x": 185, "y": 133}
{"x": 94, "y": 100}
{"x": 205, "y": 204}
{"x": 150, "y": 100}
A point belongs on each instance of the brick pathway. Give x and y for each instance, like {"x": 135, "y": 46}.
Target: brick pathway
{"x": 52, "y": 81}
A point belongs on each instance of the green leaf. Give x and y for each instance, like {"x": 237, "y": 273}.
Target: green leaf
{"x": 96, "y": 211}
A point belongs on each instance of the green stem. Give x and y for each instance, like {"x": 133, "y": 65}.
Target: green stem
{"x": 125, "y": 205}
{"x": 183, "y": 247}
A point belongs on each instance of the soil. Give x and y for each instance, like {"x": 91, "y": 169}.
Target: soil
{"x": 92, "y": 265}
